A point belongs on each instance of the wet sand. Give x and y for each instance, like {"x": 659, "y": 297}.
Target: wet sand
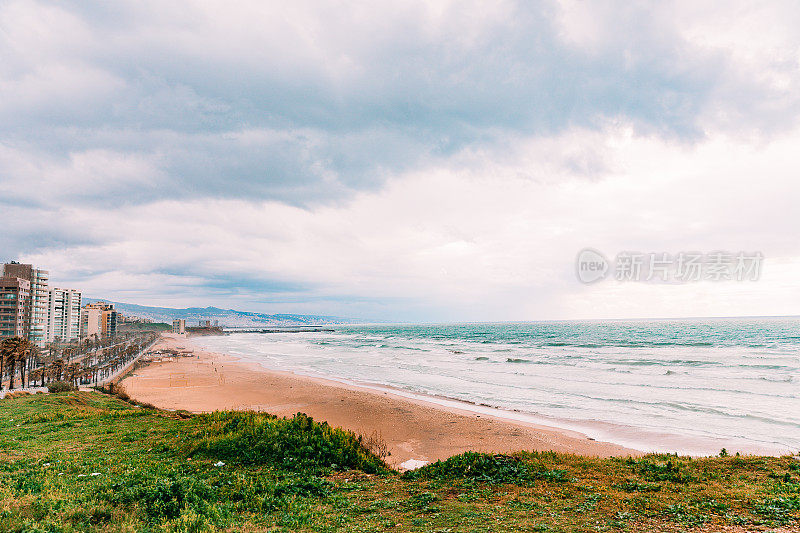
{"x": 413, "y": 429}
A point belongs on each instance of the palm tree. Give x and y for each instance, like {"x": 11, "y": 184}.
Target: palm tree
{"x": 15, "y": 350}
{"x": 72, "y": 372}
{"x": 7, "y": 347}
{"x": 37, "y": 376}
{"x": 56, "y": 369}
{"x": 28, "y": 352}
{"x": 45, "y": 364}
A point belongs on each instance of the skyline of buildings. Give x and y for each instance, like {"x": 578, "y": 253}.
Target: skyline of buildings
{"x": 30, "y": 308}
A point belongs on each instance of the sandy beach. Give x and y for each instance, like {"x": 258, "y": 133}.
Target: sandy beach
{"x": 413, "y": 429}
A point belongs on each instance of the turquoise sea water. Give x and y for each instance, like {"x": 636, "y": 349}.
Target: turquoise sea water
{"x": 731, "y": 381}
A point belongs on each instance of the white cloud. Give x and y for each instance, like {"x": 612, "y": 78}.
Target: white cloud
{"x": 416, "y": 160}
{"x": 54, "y": 181}
{"x": 482, "y": 240}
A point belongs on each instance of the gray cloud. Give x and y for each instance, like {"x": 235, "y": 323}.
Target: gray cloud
{"x": 351, "y": 94}
{"x": 117, "y": 111}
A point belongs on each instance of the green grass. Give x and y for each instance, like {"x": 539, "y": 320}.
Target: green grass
{"x": 79, "y": 461}
{"x": 296, "y": 444}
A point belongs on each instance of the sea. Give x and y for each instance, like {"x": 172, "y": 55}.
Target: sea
{"x": 687, "y": 386}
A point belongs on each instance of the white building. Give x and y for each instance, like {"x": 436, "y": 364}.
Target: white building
{"x": 63, "y": 315}
{"x": 179, "y": 326}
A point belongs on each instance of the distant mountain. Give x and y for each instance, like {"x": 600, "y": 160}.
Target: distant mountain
{"x": 226, "y": 317}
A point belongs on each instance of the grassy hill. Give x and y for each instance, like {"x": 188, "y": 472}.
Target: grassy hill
{"x": 87, "y": 461}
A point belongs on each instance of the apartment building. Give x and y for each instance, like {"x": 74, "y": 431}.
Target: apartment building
{"x": 179, "y": 326}
{"x": 98, "y": 318}
{"x": 63, "y": 315}
{"x": 39, "y": 298}
{"x": 15, "y": 300}
{"x": 91, "y": 321}
{"x": 110, "y": 322}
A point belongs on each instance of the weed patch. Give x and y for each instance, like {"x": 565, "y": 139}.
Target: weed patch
{"x": 484, "y": 467}
{"x": 294, "y": 444}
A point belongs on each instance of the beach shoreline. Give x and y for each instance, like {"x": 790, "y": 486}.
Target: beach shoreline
{"x": 415, "y": 428}
{"x": 412, "y": 429}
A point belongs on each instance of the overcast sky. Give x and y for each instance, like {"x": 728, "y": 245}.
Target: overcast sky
{"x": 419, "y": 162}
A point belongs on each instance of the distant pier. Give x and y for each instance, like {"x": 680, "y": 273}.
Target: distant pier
{"x": 278, "y": 329}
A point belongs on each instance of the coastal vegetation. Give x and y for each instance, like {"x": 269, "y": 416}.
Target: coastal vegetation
{"x": 78, "y": 461}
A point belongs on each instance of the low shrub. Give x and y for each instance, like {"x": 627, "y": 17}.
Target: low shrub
{"x": 292, "y": 444}
{"x": 635, "y": 486}
{"x": 670, "y": 471}
{"x": 61, "y": 386}
{"x": 778, "y": 509}
{"x": 305, "y": 486}
{"x": 161, "y": 497}
{"x": 375, "y": 444}
{"x": 487, "y": 468}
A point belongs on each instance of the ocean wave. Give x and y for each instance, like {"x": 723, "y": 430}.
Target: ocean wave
{"x": 787, "y": 379}
{"x": 727, "y": 377}
{"x": 662, "y": 362}
{"x": 628, "y": 344}
{"x": 575, "y": 344}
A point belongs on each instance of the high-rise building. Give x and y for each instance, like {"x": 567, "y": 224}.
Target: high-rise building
{"x": 37, "y": 310}
{"x": 179, "y": 326}
{"x": 98, "y": 318}
{"x": 15, "y": 299}
{"x": 63, "y": 315}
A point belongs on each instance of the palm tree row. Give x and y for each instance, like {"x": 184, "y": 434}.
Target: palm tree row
{"x": 90, "y": 360}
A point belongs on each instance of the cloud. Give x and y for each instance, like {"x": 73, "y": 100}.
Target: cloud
{"x": 38, "y": 178}
{"x": 418, "y": 160}
{"x": 406, "y": 83}
{"x": 470, "y": 239}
